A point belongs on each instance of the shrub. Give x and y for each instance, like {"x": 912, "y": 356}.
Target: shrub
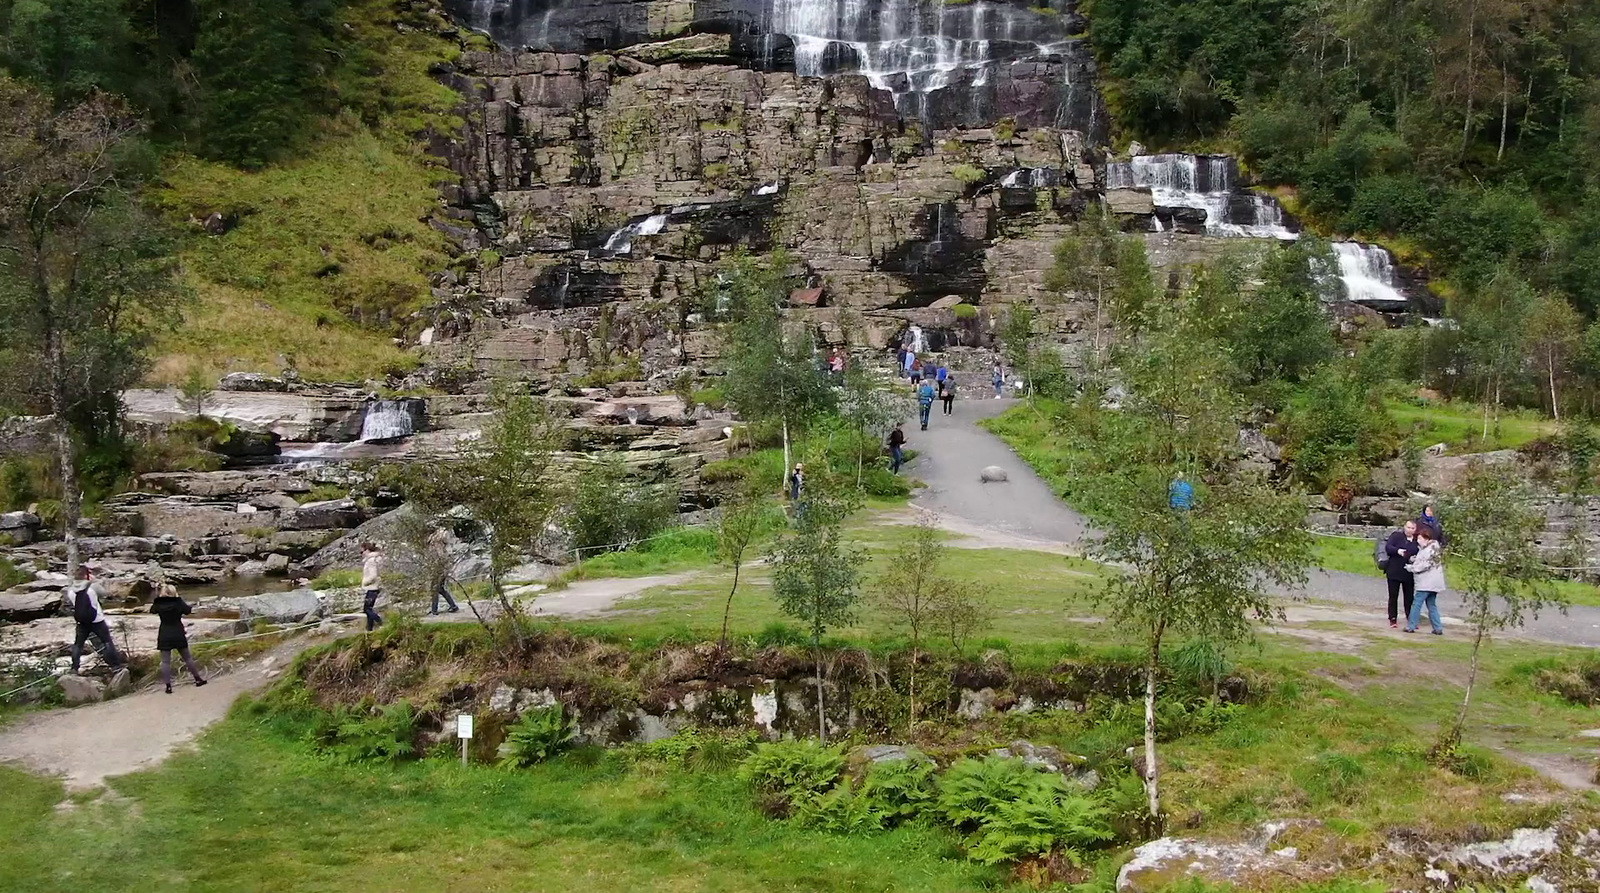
{"x": 538, "y": 735}
{"x": 971, "y": 791}
{"x": 612, "y": 510}
{"x": 1045, "y": 819}
{"x": 345, "y": 578}
{"x": 968, "y": 175}
{"x": 367, "y": 735}
{"x": 793, "y": 771}
{"x": 879, "y": 481}
{"x": 964, "y": 311}
{"x": 900, "y": 790}
{"x": 778, "y": 634}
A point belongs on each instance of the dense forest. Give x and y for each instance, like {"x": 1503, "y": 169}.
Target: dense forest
{"x": 1462, "y": 132}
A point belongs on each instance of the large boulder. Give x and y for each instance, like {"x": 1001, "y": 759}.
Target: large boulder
{"x": 23, "y": 605}
{"x": 251, "y": 382}
{"x": 280, "y": 607}
{"x": 1171, "y": 861}
{"x": 19, "y": 528}
{"x": 332, "y": 513}
{"x": 82, "y": 689}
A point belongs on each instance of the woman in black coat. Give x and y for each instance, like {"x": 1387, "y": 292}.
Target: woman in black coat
{"x": 172, "y": 636}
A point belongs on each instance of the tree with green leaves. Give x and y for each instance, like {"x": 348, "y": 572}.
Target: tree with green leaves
{"x": 816, "y": 575}
{"x": 1493, "y": 320}
{"x": 1206, "y": 571}
{"x": 739, "y": 522}
{"x": 1552, "y": 333}
{"x": 505, "y": 481}
{"x": 1496, "y": 565}
{"x": 771, "y": 373}
{"x": 86, "y": 275}
{"x": 1086, "y": 264}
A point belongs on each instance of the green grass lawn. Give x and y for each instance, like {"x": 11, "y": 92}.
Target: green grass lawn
{"x": 1460, "y": 426}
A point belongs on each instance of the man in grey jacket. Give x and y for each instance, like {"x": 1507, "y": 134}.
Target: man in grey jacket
{"x": 83, "y": 600}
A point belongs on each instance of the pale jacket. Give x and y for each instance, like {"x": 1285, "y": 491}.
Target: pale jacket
{"x": 1428, "y": 568}
{"x": 371, "y": 571}
{"x": 71, "y": 594}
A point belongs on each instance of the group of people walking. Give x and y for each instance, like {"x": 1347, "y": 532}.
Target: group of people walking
{"x": 83, "y": 599}
{"x": 1412, "y": 559}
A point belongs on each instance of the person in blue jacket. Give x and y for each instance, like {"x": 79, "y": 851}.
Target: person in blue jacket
{"x": 925, "y": 395}
{"x": 1180, "y": 494}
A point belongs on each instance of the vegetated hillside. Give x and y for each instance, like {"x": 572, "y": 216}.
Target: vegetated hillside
{"x": 1463, "y": 133}
{"x": 298, "y": 126}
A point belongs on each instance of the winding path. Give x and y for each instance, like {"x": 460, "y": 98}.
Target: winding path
{"x": 954, "y": 449}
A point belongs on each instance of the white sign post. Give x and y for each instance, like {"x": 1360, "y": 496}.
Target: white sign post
{"x": 464, "y": 732}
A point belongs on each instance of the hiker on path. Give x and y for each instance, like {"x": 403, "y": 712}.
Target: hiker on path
{"x": 83, "y": 599}
{"x": 1430, "y": 521}
{"x": 1400, "y": 548}
{"x": 947, "y": 392}
{"x": 999, "y": 378}
{"x": 797, "y": 482}
{"x": 916, "y": 372}
{"x": 897, "y": 454}
{"x": 941, "y": 374}
{"x": 371, "y": 582}
{"x": 910, "y": 360}
{"x": 925, "y": 401}
{"x": 170, "y": 607}
{"x": 1428, "y": 570}
{"x": 441, "y": 563}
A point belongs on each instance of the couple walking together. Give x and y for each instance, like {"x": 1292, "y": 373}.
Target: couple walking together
{"x": 1412, "y": 559}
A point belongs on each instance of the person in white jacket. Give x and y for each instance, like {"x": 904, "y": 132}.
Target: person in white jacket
{"x": 1428, "y": 569}
{"x": 371, "y": 583}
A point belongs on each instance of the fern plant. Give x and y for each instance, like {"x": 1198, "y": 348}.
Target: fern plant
{"x": 900, "y": 790}
{"x": 839, "y": 811}
{"x": 971, "y": 791}
{"x": 795, "y": 771}
{"x": 361, "y": 735}
{"x": 537, "y": 736}
{"x": 1047, "y": 818}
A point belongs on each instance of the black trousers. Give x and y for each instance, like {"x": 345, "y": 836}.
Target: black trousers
{"x": 1395, "y": 588}
{"x": 949, "y": 403}
{"x": 443, "y": 592}
{"x": 369, "y": 608}
{"x": 101, "y": 633}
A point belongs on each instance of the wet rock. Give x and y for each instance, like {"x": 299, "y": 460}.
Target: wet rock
{"x": 82, "y": 689}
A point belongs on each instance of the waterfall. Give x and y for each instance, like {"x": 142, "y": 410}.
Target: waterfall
{"x": 911, "y": 48}
{"x": 388, "y": 420}
{"x": 621, "y": 241}
{"x": 1368, "y": 275}
{"x": 1203, "y": 183}
{"x": 769, "y": 188}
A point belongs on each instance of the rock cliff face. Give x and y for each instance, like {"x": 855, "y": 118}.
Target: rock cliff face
{"x": 599, "y": 192}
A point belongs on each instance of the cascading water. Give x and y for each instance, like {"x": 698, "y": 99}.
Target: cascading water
{"x": 1368, "y": 275}
{"x": 387, "y": 420}
{"x": 621, "y": 241}
{"x": 1203, "y": 183}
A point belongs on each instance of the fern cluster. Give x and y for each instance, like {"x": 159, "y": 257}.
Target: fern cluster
{"x": 1011, "y": 810}
{"x": 538, "y": 735}
{"x": 364, "y": 734}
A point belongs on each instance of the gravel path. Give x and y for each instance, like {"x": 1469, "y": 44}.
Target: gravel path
{"x": 86, "y": 745}
{"x": 954, "y": 450}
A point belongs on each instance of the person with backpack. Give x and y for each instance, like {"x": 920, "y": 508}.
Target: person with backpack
{"x": 897, "y": 443}
{"x": 998, "y": 376}
{"x": 171, "y": 636}
{"x": 925, "y": 401}
{"x": 1397, "y": 550}
{"x": 83, "y": 598}
{"x": 1428, "y": 571}
{"x": 371, "y": 582}
{"x": 947, "y": 392}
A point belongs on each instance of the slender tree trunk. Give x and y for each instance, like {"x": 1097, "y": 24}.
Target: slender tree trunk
{"x": 727, "y": 609}
{"x": 916, "y": 652}
{"x": 1505, "y": 109}
{"x": 1472, "y": 33}
{"x": 1555, "y": 405}
{"x": 71, "y": 493}
{"x": 787, "y": 464}
{"x": 1152, "y": 773}
{"x": 1472, "y": 679}
{"x": 822, "y": 713}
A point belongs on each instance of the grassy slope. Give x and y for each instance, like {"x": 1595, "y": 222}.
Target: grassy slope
{"x": 1460, "y": 426}
{"x": 352, "y": 201}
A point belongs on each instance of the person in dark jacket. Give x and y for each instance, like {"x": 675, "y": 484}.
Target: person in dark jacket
{"x": 947, "y": 392}
{"x": 1401, "y": 547}
{"x": 171, "y": 608}
{"x": 1430, "y": 521}
{"x": 897, "y": 443}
